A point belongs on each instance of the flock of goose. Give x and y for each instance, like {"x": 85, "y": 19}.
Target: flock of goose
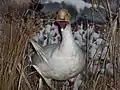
{"x": 65, "y": 59}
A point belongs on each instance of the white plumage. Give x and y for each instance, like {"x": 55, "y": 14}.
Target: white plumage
{"x": 97, "y": 47}
{"x": 78, "y": 35}
{"x": 59, "y": 61}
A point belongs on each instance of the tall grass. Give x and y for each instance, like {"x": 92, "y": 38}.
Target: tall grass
{"x": 17, "y": 29}
{"x": 102, "y": 81}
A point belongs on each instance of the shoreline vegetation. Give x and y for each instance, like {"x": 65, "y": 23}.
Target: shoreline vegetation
{"x": 17, "y": 27}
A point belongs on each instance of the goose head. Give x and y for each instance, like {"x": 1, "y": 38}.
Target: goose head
{"x": 63, "y": 18}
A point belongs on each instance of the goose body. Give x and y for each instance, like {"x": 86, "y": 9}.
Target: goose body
{"x": 64, "y": 60}
{"x": 61, "y": 61}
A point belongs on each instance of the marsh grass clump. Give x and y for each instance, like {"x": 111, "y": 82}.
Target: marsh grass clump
{"x": 17, "y": 27}
{"x": 16, "y": 31}
{"x": 105, "y": 81}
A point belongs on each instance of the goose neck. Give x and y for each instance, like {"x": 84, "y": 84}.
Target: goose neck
{"x": 67, "y": 39}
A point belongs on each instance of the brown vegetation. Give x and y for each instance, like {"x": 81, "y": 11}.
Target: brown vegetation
{"x": 16, "y": 31}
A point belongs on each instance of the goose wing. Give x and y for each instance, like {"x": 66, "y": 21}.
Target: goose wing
{"x": 40, "y": 51}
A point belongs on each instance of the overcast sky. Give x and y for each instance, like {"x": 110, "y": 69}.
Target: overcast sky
{"x": 77, "y": 3}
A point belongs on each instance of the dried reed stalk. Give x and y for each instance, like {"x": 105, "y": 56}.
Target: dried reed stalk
{"x": 101, "y": 81}
{"x": 17, "y": 32}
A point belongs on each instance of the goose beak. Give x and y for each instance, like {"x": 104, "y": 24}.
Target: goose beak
{"x": 62, "y": 24}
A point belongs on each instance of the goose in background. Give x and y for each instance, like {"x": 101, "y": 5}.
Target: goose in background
{"x": 78, "y": 35}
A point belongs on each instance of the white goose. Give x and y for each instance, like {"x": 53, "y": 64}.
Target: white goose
{"x": 59, "y": 61}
